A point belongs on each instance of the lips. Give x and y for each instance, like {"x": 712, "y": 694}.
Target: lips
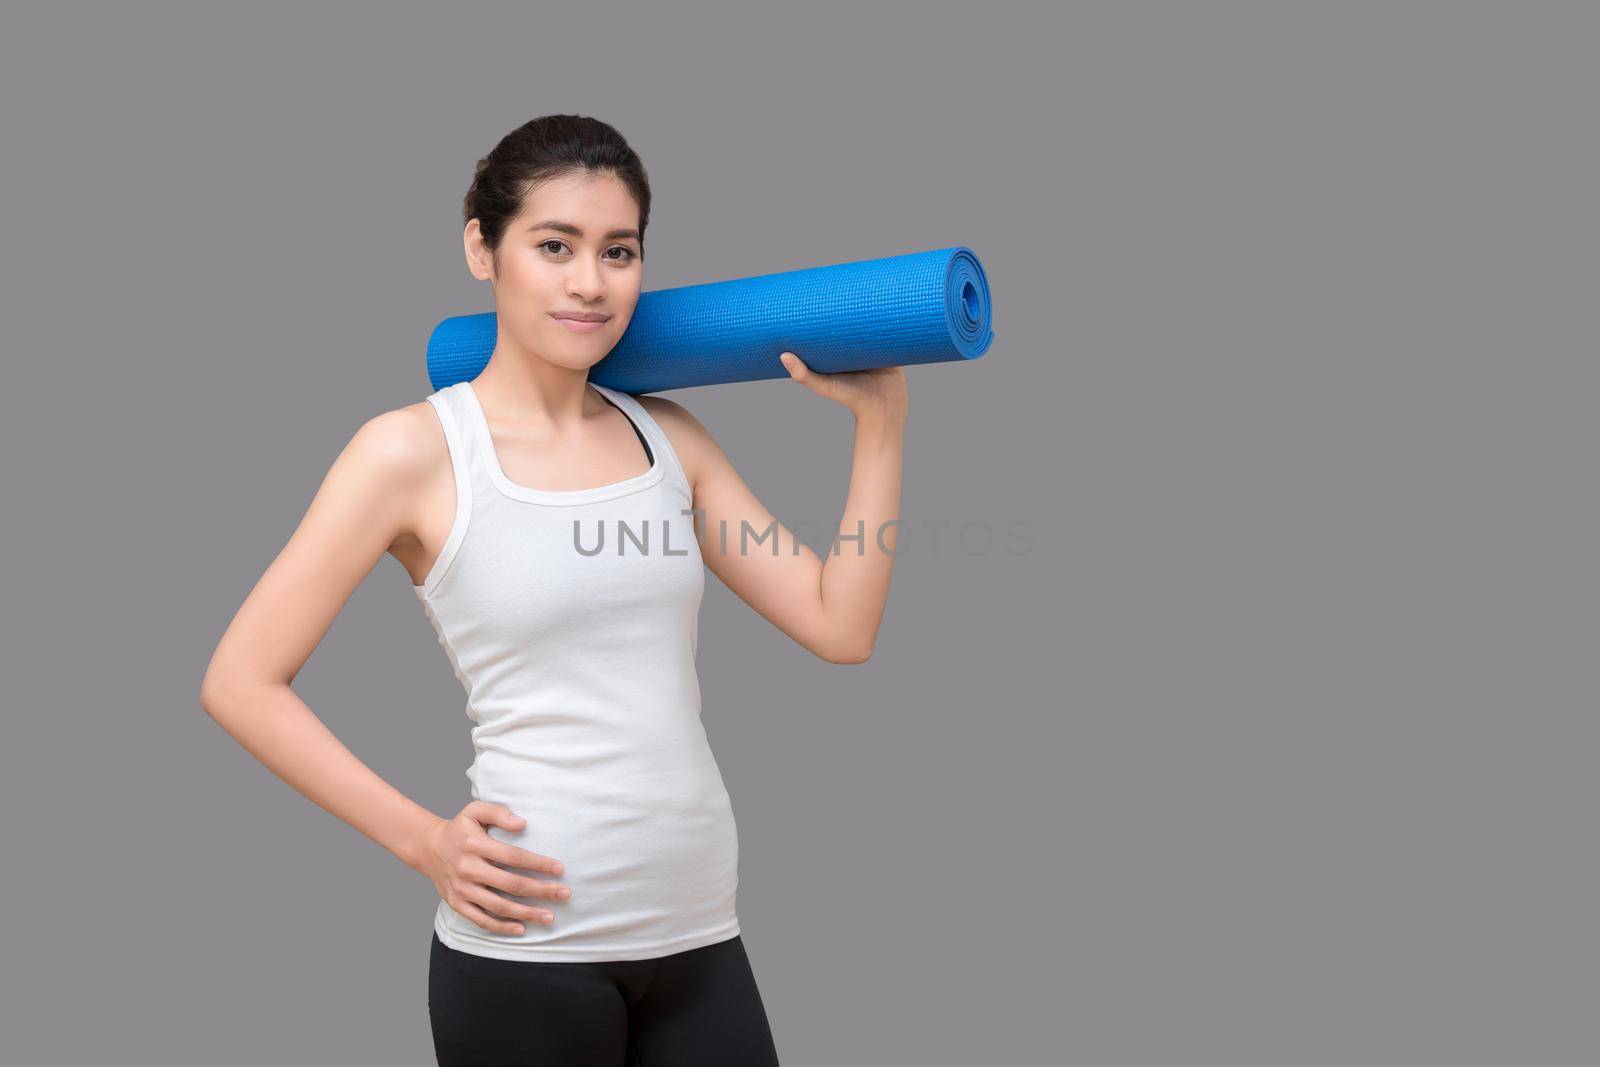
{"x": 577, "y": 325}
{"x": 580, "y": 316}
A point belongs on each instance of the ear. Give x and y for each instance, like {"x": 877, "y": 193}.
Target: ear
{"x": 480, "y": 260}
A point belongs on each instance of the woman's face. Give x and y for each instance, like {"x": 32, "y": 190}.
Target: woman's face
{"x": 574, "y": 248}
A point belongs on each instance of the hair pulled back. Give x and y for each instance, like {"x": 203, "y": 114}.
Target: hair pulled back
{"x": 537, "y": 151}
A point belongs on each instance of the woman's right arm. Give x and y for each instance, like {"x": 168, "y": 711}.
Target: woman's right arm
{"x": 366, "y": 502}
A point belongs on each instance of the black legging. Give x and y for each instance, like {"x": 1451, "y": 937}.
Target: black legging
{"x": 699, "y": 1007}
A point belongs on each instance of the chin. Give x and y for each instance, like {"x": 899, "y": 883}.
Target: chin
{"x": 576, "y": 355}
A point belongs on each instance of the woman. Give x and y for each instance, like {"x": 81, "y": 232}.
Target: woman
{"x": 556, "y": 533}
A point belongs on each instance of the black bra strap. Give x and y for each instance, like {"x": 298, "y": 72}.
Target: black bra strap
{"x": 648, "y": 454}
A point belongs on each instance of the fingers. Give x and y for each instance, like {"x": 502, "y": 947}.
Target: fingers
{"x": 495, "y": 913}
{"x": 855, "y": 389}
{"x": 484, "y": 873}
{"x": 817, "y": 383}
{"x": 802, "y": 373}
{"x": 512, "y": 856}
{"x": 827, "y": 386}
{"x": 488, "y": 814}
{"x": 499, "y": 907}
{"x": 476, "y": 914}
{"x": 467, "y": 877}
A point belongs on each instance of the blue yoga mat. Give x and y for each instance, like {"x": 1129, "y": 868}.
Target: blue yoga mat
{"x": 926, "y": 307}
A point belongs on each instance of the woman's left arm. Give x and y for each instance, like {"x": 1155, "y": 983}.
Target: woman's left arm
{"x": 833, "y": 608}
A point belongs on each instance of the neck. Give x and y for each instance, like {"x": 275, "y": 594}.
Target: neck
{"x": 524, "y": 387}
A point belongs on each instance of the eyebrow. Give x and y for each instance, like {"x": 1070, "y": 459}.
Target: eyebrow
{"x": 569, "y": 228}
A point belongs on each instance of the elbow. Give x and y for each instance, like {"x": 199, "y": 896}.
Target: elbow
{"x": 210, "y": 695}
{"x": 214, "y": 692}
{"x": 229, "y": 685}
{"x": 858, "y": 653}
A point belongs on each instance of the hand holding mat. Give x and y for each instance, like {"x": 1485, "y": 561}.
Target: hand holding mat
{"x": 926, "y": 307}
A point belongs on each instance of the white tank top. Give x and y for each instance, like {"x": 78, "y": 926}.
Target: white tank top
{"x": 580, "y": 678}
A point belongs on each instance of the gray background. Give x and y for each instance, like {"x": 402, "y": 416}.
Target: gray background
{"x": 1277, "y": 748}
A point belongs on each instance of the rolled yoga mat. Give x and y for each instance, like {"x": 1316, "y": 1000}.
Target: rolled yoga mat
{"x": 925, "y": 307}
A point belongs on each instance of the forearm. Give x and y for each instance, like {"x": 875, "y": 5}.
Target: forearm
{"x": 276, "y": 726}
{"x": 855, "y": 573}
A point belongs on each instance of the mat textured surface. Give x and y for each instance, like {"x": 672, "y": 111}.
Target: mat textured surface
{"x": 925, "y": 307}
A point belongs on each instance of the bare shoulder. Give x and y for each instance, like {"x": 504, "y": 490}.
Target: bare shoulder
{"x": 401, "y": 447}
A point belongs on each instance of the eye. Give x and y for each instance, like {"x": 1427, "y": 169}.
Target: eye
{"x": 627, "y": 253}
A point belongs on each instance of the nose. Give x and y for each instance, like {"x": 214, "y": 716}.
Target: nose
{"x": 584, "y": 281}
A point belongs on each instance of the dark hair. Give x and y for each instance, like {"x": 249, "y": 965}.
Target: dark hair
{"x": 539, "y": 150}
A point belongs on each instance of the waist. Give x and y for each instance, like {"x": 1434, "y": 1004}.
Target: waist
{"x": 650, "y": 862}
